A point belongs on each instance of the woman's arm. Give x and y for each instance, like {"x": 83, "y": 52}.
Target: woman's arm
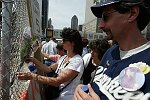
{"x": 65, "y": 76}
{"x": 52, "y": 57}
{"x": 62, "y": 77}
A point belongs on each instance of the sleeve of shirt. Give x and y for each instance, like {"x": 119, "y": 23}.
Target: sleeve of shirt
{"x": 76, "y": 64}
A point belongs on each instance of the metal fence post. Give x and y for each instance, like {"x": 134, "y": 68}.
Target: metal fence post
{"x": 5, "y": 48}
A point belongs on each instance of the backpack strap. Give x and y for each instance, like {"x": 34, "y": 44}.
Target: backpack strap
{"x": 61, "y": 64}
{"x": 68, "y": 83}
{"x": 71, "y": 80}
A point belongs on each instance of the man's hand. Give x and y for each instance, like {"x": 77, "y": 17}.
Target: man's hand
{"x": 81, "y": 95}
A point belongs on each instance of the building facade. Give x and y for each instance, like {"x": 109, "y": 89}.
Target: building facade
{"x": 45, "y": 4}
{"x": 90, "y": 27}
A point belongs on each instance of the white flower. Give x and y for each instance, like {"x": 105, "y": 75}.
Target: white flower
{"x": 142, "y": 66}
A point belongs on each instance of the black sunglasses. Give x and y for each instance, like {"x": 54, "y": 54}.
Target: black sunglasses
{"x": 64, "y": 40}
{"x": 105, "y": 16}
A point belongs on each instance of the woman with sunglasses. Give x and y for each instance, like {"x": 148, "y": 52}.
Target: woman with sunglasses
{"x": 91, "y": 60}
{"x": 69, "y": 67}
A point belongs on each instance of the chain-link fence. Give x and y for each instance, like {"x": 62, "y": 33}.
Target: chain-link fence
{"x": 13, "y": 19}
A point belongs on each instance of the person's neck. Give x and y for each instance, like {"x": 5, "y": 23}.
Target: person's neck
{"x": 132, "y": 42}
{"x": 96, "y": 61}
{"x": 70, "y": 54}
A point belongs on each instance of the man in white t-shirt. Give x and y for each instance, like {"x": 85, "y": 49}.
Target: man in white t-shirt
{"x": 49, "y": 48}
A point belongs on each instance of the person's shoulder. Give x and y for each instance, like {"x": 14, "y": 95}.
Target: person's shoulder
{"x": 114, "y": 47}
{"x": 64, "y": 56}
{"x": 86, "y": 59}
{"x": 49, "y": 42}
{"x": 77, "y": 58}
{"x": 44, "y": 44}
{"x": 112, "y": 51}
{"x": 87, "y": 56}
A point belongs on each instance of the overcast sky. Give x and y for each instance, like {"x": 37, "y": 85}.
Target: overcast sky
{"x": 61, "y": 12}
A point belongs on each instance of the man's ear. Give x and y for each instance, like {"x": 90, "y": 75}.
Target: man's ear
{"x": 134, "y": 12}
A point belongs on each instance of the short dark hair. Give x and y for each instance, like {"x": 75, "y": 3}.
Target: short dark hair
{"x": 73, "y": 36}
{"x": 85, "y": 42}
{"x": 143, "y": 17}
{"x": 60, "y": 46}
{"x": 99, "y": 46}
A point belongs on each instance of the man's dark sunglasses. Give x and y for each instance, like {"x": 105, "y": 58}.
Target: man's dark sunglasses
{"x": 105, "y": 16}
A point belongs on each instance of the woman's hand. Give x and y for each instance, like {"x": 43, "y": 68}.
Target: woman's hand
{"x": 29, "y": 59}
{"x": 26, "y": 76}
{"x": 81, "y": 95}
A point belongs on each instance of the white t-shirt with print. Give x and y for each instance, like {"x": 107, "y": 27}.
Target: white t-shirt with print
{"x": 76, "y": 64}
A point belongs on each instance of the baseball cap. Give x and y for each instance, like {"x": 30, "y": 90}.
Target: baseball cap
{"x": 98, "y": 8}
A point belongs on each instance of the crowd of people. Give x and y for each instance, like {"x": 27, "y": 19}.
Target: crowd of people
{"x": 123, "y": 21}
{"x": 69, "y": 66}
{"x": 116, "y": 67}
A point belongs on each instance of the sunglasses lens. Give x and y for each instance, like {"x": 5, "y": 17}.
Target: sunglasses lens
{"x": 105, "y": 17}
{"x": 64, "y": 40}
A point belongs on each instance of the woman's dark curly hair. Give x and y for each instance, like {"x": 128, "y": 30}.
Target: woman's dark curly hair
{"x": 99, "y": 46}
{"x": 73, "y": 36}
{"x": 144, "y": 13}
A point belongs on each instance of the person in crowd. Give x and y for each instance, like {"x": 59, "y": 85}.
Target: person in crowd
{"x": 123, "y": 21}
{"x": 68, "y": 67}
{"x": 60, "y": 52}
{"x": 44, "y": 40}
{"x": 85, "y": 43}
{"x": 49, "y": 48}
{"x": 91, "y": 60}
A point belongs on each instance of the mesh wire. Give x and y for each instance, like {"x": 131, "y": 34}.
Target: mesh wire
{"x": 16, "y": 20}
